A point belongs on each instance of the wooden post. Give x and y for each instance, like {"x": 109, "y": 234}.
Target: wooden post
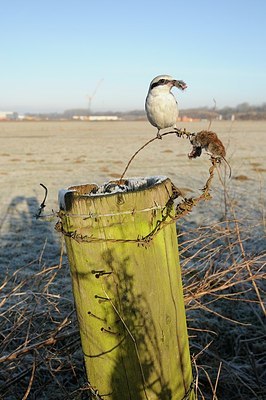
{"x": 128, "y": 294}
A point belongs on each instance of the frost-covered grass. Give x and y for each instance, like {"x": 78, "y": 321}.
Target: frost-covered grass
{"x": 221, "y": 245}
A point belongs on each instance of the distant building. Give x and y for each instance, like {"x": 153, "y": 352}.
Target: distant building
{"x": 8, "y": 116}
{"x": 96, "y": 117}
{"x": 185, "y": 118}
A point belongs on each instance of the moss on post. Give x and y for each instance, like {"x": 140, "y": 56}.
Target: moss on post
{"x": 128, "y": 292}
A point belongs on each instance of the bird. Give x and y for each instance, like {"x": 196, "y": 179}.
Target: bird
{"x": 160, "y": 105}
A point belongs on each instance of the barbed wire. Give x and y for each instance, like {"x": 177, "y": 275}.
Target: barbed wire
{"x": 183, "y": 208}
{"x": 168, "y": 217}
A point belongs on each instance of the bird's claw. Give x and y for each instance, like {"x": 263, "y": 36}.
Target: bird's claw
{"x": 180, "y": 132}
{"x": 184, "y": 134}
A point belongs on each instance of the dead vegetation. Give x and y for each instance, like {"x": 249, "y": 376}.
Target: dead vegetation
{"x": 226, "y": 314}
{"x": 223, "y": 266}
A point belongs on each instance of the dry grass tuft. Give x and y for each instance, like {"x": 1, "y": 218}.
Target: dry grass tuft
{"x": 40, "y": 346}
{"x": 223, "y": 267}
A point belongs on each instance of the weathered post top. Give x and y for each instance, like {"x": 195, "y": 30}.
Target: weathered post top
{"x": 116, "y": 188}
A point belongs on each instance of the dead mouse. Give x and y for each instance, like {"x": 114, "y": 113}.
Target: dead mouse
{"x": 210, "y": 142}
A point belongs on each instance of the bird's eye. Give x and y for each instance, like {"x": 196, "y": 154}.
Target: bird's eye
{"x": 162, "y": 81}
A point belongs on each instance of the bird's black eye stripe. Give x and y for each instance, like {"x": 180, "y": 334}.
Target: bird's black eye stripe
{"x": 160, "y": 82}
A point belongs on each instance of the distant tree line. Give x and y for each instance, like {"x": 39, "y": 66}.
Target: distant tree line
{"x": 243, "y": 111}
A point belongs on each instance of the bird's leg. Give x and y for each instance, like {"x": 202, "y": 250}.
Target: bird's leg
{"x": 159, "y": 136}
{"x": 178, "y": 132}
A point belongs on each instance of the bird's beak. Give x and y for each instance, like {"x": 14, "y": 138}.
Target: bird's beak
{"x": 180, "y": 84}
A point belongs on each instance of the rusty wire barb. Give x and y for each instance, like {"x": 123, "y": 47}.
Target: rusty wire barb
{"x": 42, "y": 205}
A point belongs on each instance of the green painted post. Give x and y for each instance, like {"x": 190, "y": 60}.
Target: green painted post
{"x": 128, "y": 296}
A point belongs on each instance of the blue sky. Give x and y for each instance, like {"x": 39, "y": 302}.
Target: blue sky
{"x": 55, "y": 52}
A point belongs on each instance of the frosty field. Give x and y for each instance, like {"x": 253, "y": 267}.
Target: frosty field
{"x": 222, "y": 249}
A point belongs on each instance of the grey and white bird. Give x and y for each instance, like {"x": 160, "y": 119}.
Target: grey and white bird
{"x": 161, "y": 106}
